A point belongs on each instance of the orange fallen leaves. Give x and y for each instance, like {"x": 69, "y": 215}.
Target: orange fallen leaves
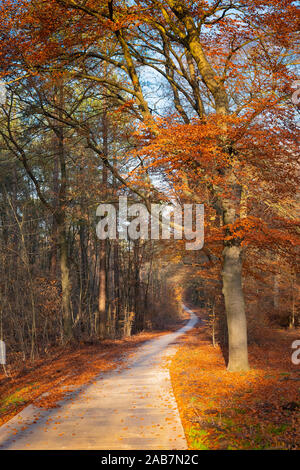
{"x": 61, "y": 371}
{"x": 255, "y": 410}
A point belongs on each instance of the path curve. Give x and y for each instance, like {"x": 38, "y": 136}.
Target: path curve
{"x": 131, "y": 408}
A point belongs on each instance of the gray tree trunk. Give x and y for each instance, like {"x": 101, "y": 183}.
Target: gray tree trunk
{"x": 235, "y": 309}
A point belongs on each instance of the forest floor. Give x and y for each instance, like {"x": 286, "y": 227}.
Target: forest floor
{"x": 259, "y": 409}
{"x": 63, "y": 367}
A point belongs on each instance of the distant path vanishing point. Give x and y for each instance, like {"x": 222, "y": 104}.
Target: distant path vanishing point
{"x": 129, "y": 408}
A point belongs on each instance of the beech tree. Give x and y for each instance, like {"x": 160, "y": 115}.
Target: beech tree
{"x": 229, "y": 66}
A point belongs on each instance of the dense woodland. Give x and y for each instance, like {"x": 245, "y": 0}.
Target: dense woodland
{"x": 159, "y": 101}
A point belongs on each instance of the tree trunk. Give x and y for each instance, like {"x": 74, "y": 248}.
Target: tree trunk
{"x": 235, "y": 309}
{"x": 103, "y": 243}
{"x": 102, "y": 290}
{"x": 84, "y": 277}
{"x": 292, "y": 316}
{"x": 138, "y": 310}
{"x": 53, "y": 249}
{"x": 276, "y": 296}
{"x": 232, "y": 283}
{"x": 65, "y": 281}
{"x": 61, "y": 221}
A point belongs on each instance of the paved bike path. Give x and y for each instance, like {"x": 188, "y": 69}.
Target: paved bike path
{"x": 128, "y": 408}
